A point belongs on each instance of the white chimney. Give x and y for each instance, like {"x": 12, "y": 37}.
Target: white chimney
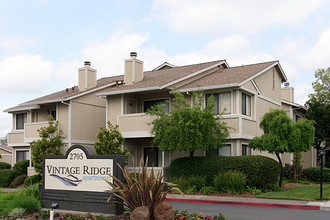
{"x": 133, "y": 69}
{"x": 86, "y": 77}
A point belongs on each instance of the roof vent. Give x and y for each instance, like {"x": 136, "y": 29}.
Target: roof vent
{"x": 87, "y": 63}
{"x": 133, "y": 55}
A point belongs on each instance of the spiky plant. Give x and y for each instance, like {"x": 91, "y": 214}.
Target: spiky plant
{"x": 143, "y": 188}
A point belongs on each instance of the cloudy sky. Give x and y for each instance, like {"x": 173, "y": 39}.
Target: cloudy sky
{"x": 44, "y": 42}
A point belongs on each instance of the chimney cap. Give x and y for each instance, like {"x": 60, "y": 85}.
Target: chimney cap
{"x": 87, "y": 63}
{"x": 133, "y": 54}
{"x": 286, "y": 84}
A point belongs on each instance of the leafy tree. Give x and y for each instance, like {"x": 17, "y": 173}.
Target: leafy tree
{"x": 282, "y": 135}
{"x": 318, "y": 106}
{"x": 187, "y": 127}
{"x": 110, "y": 142}
{"x": 49, "y": 143}
{"x": 3, "y": 140}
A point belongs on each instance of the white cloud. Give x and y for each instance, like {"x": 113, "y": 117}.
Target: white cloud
{"x": 24, "y": 73}
{"x": 209, "y": 15}
{"x": 301, "y": 91}
{"x": 5, "y": 118}
{"x": 17, "y": 42}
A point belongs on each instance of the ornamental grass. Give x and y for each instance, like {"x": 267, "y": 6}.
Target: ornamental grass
{"x": 143, "y": 188}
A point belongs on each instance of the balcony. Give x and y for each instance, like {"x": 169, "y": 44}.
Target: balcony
{"x": 31, "y": 130}
{"x": 135, "y": 125}
{"x": 16, "y": 138}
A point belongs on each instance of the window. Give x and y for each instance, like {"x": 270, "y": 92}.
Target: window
{"x": 222, "y": 102}
{"x": 152, "y": 154}
{"x": 53, "y": 114}
{"x": 246, "y": 104}
{"x": 164, "y": 103}
{"x": 22, "y": 155}
{"x": 246, "y": 150}
{"x": 297, "y": 117}
{"x": 223, "y": 151}
{"x": 20, "y": 120}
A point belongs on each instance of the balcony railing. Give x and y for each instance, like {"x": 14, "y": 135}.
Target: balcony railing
{"x": 31, "y": 130}
{"x": 135, "y": 125}
{"x": 16, "y": 137}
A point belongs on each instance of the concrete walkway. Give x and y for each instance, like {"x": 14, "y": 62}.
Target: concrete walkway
{"x": 243, "y": 201}
{"x": 7, "y": 190}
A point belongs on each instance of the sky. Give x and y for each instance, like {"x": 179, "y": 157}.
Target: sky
{"x": 44, "y": 42}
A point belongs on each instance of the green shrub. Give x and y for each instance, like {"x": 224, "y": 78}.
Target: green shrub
{"x": 232, "y": 182}
{"x": 31, "y": 180}
{"x": 181, "y": 182}
{"x": 327, "y": 163}
{"x": 4, "y": 165}
{"x": 261, "y": 172}
{"x": 19, "y": 180}
{"x": 10, "y": 201}
{"x": 253, "y": 191}
{"x": 207, "y": 190}
{"x": 198, "y": 182}
{"x": 7, "y": 176}
{"x": 288, "y": 171}
{"x": 314, "y": 174}
{"x": 32, "y": 190}
{"x": 16, "y": 213}
{"x": 21, "y": 166}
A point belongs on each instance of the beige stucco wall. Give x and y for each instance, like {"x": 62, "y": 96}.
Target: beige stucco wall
{"x": 128, "y": 72}
{"x": 7, "y": 158}
{"x": 86, "y": 120}
{"x": 131, "y": 123}
{"x": 114, "y": 108}
{"x": 249, "y": 86}
{"x": 249, "y": 127}
{"x": 265, "y": 84}
{"x": 63, "y": 118}
{"x": 16, "y": 137}
{"x": 287, "y": 93}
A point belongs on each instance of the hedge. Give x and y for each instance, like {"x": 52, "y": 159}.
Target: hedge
{"x": 21, "y": 166}
{"x": 4, "y": 165}
{"x": 7, "y": 176}
{"x": 261, "y": 172}
{"x": 31, "y": 180}
{"x": 19, "y": 180}
{"x": 314, "y": 174}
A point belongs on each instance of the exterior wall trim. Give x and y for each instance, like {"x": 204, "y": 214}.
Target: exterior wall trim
{"x": 136, "y": 134}
{"x": 231, "y": 85}
{"x": 128, "y": 91}
{"x": 269, "y": 100}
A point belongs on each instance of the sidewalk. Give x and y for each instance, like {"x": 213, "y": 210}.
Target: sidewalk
{"x": 243, "y": 201}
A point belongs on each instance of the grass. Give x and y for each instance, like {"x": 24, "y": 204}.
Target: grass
{"x": 308, "y": 193}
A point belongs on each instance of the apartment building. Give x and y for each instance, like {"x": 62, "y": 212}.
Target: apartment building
{"x": 245, "y": 93}
{"x": 79, "y": 112}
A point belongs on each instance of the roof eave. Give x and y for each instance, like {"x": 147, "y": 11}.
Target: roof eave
{"x": 128, "y": 91}
{"x": 231, "y": 85}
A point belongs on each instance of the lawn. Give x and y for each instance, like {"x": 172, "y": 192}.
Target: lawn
{"x": 309, "y": 193}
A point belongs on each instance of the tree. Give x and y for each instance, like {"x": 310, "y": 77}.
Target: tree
{"x": 3, "y": 140}
{"x": 50, "y": 143}
{"x": 282, "y": 135}
{"x": 110, "y": 142}
{"x": 187, "y": 127}
{"x": 318, "y": 106}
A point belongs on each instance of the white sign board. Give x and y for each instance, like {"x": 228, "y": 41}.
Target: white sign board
{"x": 77, "y": 172}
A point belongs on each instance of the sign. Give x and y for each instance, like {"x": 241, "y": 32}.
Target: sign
{"x": 77, "y": 172}
{"x": 76, "y": 181}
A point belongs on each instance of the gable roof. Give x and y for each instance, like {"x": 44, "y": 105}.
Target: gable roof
{"x": 229, "y": 77}
{"x": 153, "y": 80}
{"x": 65, "y": 94}
{"x": 220, "y": 78}
{"x": 6, "y": 148}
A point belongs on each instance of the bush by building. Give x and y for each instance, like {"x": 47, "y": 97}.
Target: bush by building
{"x": 261, "y": 172}
{"x": 19, "y": 180}
{"x": 314, "y": 174}
{"x": 21, "y": 166}
{"x": 7, "y": 176}
{"x": 31, "y": 180}
{"x": 232, "y": 182}
{"x": 4, "y": 165}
